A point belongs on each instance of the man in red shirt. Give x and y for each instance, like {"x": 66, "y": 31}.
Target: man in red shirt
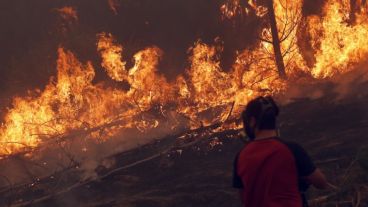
{"x": 268, "y": 171}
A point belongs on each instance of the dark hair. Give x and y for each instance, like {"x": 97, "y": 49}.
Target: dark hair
{"x": 264, "y": 110}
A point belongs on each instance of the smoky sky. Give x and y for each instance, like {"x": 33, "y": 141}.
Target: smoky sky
{"x": 30, "y": 33}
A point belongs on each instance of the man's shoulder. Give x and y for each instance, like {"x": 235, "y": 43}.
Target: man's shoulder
{"x": 298, "y": 152}
{"x": 293, "y": 146}
{"x": 304, "y": 162}
{"x": 264, "y": 148}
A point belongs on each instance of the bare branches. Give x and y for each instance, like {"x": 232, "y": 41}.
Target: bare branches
{"x": 345, "y": 185}
{"x": 230, "y": 112}
{"x": 265, "y": 40}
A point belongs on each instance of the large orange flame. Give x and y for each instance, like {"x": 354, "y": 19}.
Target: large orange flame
{"x": 204, "y": 95}
{"x": 341, "y": 44}
{"x": 111, "y": 55}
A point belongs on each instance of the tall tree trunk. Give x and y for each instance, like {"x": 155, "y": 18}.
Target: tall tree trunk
{"x": 353, "y": 10}
{"x": 276, "y": 40}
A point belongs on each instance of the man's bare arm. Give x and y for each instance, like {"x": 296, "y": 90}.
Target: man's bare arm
{"x": 318, "y": 179}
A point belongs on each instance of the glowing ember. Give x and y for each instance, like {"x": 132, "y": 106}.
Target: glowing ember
{"x": 231, "y": 8}
{"x": 68, "y": 13}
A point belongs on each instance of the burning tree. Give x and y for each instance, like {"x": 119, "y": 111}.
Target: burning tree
{"x": 275, "y": 39}
{"x": 335, "y": 36}
{"x": 281, "y": 20}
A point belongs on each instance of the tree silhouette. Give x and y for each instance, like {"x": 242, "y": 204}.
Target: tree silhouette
{"x": 280, "y": 28}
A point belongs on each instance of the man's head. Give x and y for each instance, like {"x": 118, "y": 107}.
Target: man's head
{"x": 259, "y": 115}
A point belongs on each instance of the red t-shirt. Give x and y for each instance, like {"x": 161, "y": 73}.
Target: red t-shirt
{"x": 268, "y": 172}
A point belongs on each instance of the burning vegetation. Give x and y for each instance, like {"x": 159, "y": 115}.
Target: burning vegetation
{"x": 72, "y": 101}
{"x": 291, "y": 49}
